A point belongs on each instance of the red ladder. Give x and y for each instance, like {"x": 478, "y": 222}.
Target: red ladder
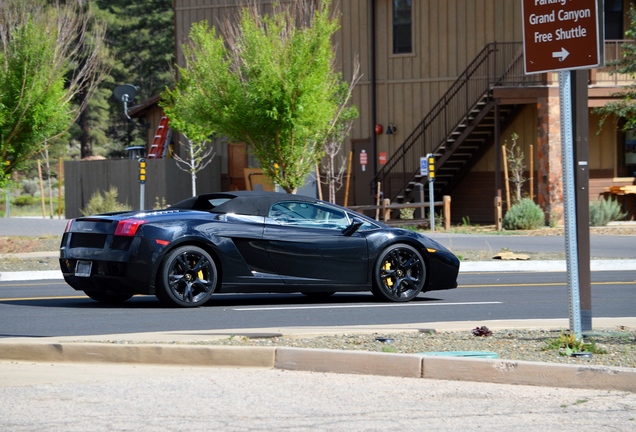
{"x": 159, "y": 141}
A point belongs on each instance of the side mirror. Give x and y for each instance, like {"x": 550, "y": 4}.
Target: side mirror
{"x": 355, "y": 224}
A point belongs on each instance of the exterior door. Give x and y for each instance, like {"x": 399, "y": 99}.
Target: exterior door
{"x": 306, "y": 245}
{"x": 363, "y": 164}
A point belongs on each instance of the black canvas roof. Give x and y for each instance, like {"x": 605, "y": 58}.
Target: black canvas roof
{"x": 255, "y": 203}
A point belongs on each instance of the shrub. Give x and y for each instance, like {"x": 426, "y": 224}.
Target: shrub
{"x": 523, "y": 216}
{"x": 605, "y": 210}
{"x": 105, "y": 203}
{"x": 26, "y": 200}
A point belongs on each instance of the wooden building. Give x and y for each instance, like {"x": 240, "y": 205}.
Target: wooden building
{"x": 446, "y": 77}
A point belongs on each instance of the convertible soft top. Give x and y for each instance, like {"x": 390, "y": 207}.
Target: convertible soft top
{"x": 253, "y": 203}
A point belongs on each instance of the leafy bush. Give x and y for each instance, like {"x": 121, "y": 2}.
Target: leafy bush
{"x": 524, "y": 215}
{"x": 26, "y": 200}
{"x": 30, "y": 186}
{"x": 605, "y": 210}
{"x": 105, "y": 203}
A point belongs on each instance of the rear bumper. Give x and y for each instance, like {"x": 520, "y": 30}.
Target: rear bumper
{"x": 110, "y": 276}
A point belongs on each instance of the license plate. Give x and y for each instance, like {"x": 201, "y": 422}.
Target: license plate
{"x": 83, "y": 268}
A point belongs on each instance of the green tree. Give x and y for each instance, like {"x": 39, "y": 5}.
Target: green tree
{"x": 625, "y": 107}
{"x": 268, "y": 81}
{"x": 41, "y": 72}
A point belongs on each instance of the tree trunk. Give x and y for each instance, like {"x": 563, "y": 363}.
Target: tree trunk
{"x": 193, "y": 172}
{"x": 82, "y": 121}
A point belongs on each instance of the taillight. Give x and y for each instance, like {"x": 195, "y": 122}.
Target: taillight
{"x": 68, "y": 225}
{"x": 128, "y": 227}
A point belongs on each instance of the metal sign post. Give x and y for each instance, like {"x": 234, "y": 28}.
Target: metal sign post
{"x": 564, "y": 36}
{"x": 431, "y": 195}
{"x": 142, "y": 183}
{"x": 569, "y": 198}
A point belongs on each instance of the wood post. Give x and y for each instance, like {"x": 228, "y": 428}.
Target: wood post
{"x": 60, "y": 183}
{"x": 447, "y": 212}
{"x": 498, "y": 219}
{"x": 377, "y": 202}
{"x": 346, "y": 199}
{"x": 505, "y": 164}
{"x": 531, "y": 172}
{"x": 41, "y": 189}
{"x": 386, "y": 212}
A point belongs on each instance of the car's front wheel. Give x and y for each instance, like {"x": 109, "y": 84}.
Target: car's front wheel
{"x": 187, "y": 277}
{"x": 399, "y": 273}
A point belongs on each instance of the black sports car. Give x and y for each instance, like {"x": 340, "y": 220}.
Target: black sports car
{"x": 249, "y": 242}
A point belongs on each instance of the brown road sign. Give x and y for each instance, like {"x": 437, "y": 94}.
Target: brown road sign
{"x": 561, "y": 34}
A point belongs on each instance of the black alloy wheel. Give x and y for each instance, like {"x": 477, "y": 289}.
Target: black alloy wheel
{"x": 399, "y": 273}
{"x": 187, "y": 277}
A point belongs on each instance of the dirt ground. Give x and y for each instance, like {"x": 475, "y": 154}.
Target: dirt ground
{"x": 11, "y": 245}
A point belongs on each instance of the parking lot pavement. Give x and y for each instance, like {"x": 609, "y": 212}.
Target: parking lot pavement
{"x": 78, "y": 396}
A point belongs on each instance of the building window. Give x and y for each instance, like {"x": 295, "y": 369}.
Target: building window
{"x": 614, "y": 19}
{"x": 402, "y": 27}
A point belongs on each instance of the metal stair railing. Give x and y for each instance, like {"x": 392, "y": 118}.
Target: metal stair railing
{"x": 497, "y": 64}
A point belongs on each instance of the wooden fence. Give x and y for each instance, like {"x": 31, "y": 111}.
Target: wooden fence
{"x": 165, "y": 182}
{"x": 385, "y": 207}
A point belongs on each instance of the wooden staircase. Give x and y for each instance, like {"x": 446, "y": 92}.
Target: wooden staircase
{"x": 460, "y": 127}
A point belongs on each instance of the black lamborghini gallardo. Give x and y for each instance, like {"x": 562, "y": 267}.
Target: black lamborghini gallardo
{"x": 249, "y": 242}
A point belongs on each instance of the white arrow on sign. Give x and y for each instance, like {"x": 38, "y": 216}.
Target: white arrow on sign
{"x": 561, "y": 55}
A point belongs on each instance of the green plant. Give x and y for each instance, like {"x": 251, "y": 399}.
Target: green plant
{"x": 466, "y": 221}
{"x": 567, "y": 344}
{"x": 605, "y": 210}
{"x": 516, "y": 167}
{"x": 160, "y": 203}
{"x": 407, "y": 213}
{"x": 524, "y": 215}
{"x": 389, "y": 349}
{"x": 554, "y": 219}
{"x": 26, "y": 200}
{"x": 105, "y": 203}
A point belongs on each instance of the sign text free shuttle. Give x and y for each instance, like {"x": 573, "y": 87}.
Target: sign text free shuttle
{"x": 561, "y": 34}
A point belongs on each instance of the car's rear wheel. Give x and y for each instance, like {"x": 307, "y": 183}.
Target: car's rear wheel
{"x": 105, "y": 297}
{"x": 187, "y": 277}
{"x": 399, "y": 273}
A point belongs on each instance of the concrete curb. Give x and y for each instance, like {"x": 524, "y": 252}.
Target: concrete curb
{"x": 543, "y": 266}
{"x": 334, "y": 361}
{"x": 465, "y": 267}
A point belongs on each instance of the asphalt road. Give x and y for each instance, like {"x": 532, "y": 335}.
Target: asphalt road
{"x": 52, "y": 308}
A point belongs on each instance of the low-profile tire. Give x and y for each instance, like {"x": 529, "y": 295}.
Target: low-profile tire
{"x": 105, "y": 297}
{"x": 187, "y": 277}
{"x": 399, "y": 273}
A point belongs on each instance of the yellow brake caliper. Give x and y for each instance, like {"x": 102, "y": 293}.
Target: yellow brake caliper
{"x": 389, "y": 281}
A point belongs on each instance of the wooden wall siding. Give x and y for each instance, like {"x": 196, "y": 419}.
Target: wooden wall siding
{"x": 474, "y": 197}
{"x": 602, "y": 147}
{"x": 448, "y": 34}
{"x": 164, "y": 181}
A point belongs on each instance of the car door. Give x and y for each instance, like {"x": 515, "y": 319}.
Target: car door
{"x": 306, "y": 245}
